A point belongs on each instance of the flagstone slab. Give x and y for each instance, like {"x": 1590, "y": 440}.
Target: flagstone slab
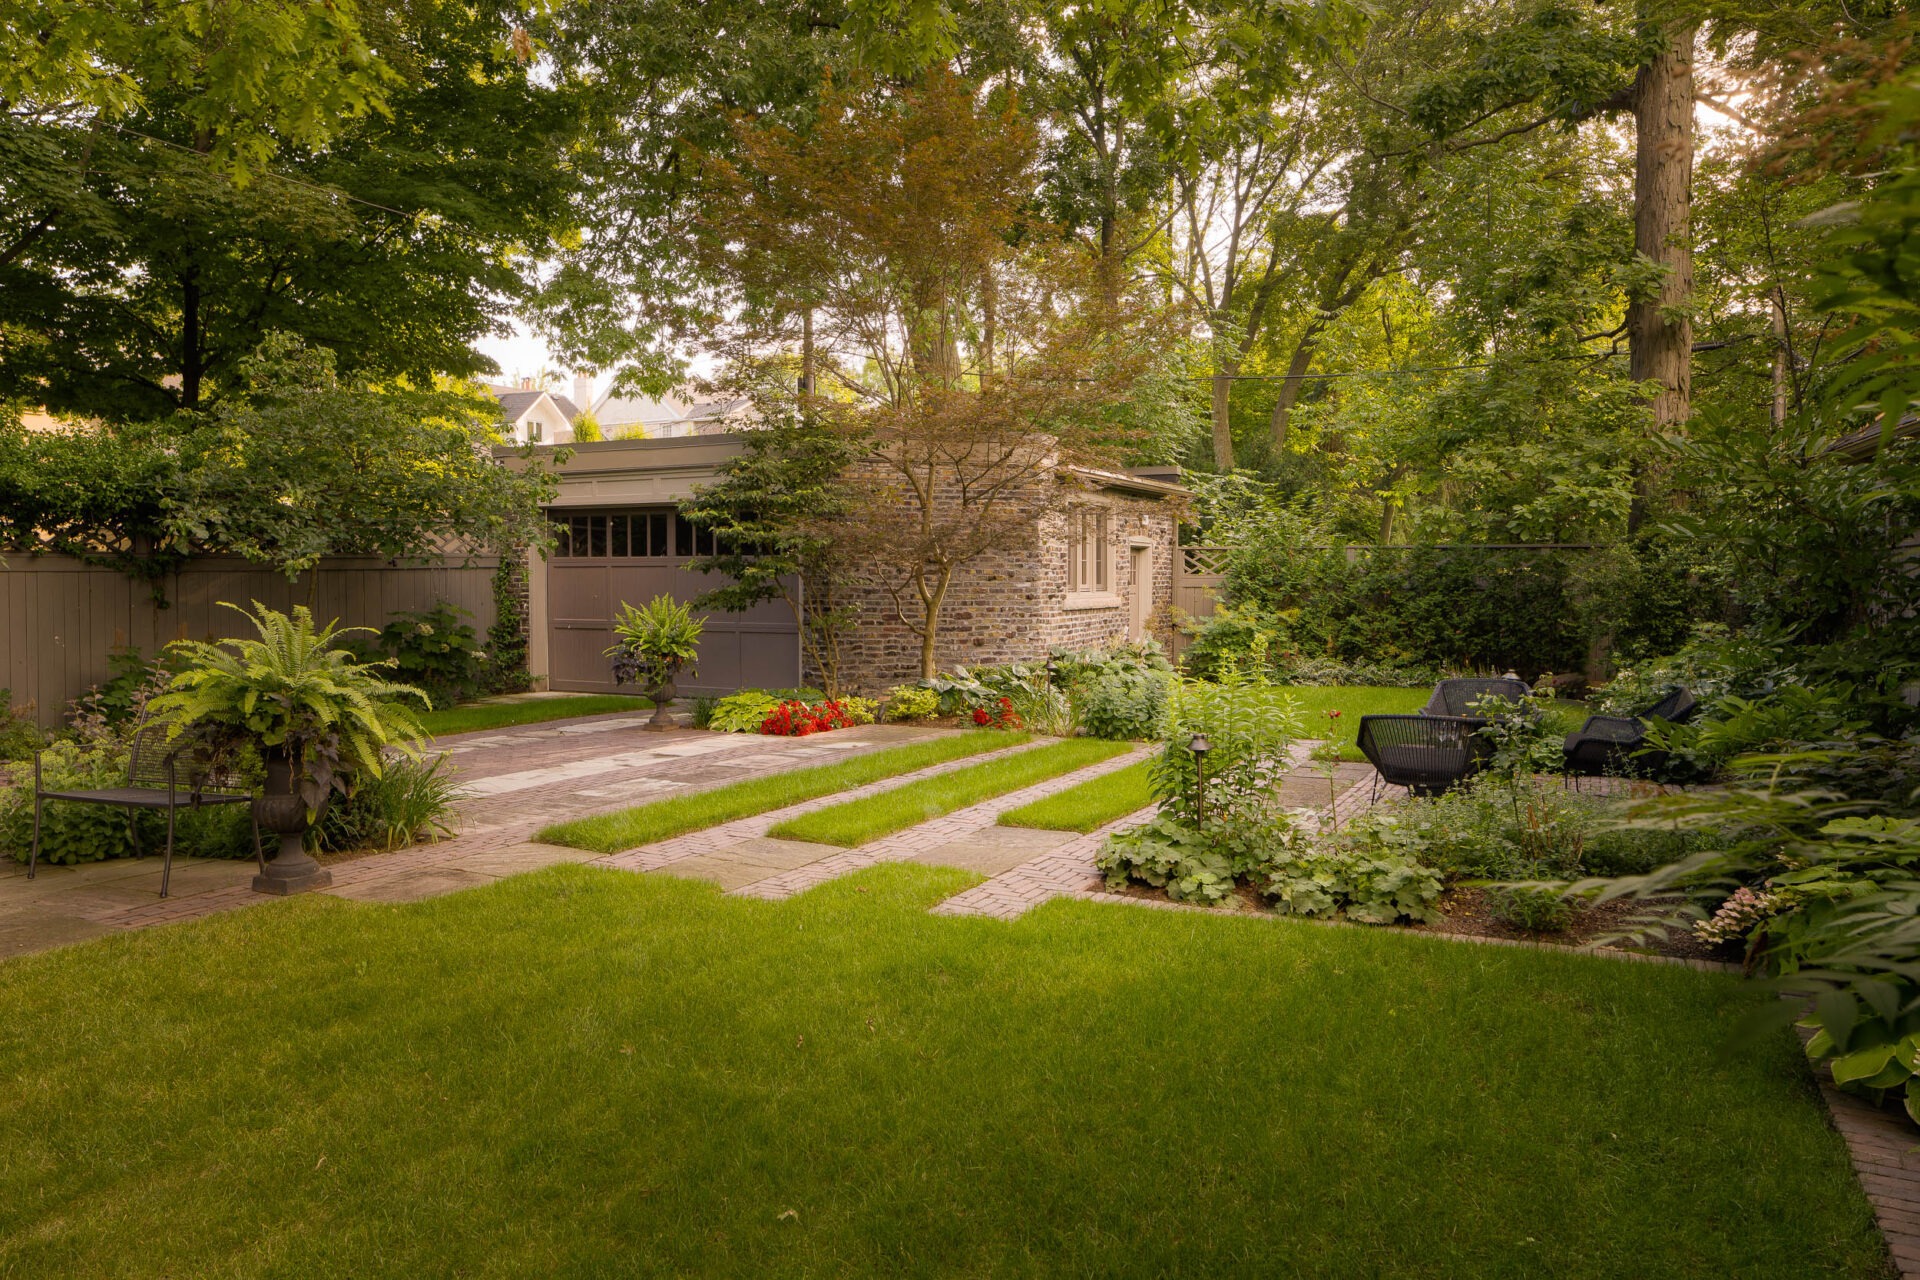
{"x": 993, "y": 850}
{"x": 411, "y": 886}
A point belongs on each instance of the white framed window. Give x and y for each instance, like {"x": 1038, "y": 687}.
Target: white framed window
{"x": 536, "y": 430}
{"x": 1089, "y": 558}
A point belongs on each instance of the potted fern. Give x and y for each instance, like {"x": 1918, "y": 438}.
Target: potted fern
{"x": 657, "y": 640}
{"x": 317, "y": 713}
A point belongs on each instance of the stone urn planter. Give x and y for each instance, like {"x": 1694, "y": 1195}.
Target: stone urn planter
{"x": 281, "y": 810}
{"x": 663, "y": 696}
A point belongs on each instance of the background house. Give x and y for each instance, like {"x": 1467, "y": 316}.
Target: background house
{"x": 534, "y": 415}
{"x": 677, "y": 414}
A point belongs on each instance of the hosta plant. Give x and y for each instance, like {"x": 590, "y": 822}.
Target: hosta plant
{"x": 294, "y": 692}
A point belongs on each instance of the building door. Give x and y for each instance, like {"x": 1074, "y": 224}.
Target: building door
{"x": 608, "y": 558}
{"x": 1141, "y": 605}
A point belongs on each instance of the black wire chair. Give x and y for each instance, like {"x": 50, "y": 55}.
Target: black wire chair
{"x": 1427, "y": 754}
{"x": 1467, "y": 697}
{"x": 1604, "y": 744}
{"x": 160, "y": 775}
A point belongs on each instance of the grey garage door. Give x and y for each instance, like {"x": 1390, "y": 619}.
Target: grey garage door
{"x": 631, "y": 555}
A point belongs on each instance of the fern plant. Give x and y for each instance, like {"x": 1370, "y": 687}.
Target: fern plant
{"x": 294, "y": 692}
{"x": 655, "y": 641}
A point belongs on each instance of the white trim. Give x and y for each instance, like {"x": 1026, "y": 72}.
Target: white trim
{"x": 1092, "y": 600}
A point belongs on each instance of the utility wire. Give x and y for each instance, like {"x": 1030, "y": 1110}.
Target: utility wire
{"x": 335, "y": 192}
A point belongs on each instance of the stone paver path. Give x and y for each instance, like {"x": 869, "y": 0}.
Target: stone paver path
{"x": 519, "y": 780}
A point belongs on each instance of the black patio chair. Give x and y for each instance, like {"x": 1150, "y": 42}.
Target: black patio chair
{"x": 1604, "y": 744}
{"x": 160, "y": 775}
{"x": 1467, "y": 697}
{"x": 1428, "y": 755}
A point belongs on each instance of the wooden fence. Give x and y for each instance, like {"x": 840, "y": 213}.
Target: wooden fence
{"x": 60, "y": 618}
{"x": 1196, "y": 581}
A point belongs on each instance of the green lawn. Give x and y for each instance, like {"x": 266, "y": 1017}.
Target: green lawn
{"x": 584, "y": 1072}
{"x": 1093, "y": 803}
{"x": 473, "y": 716}
{"x": 856, "y": 822}
{"x": 1312, "y": 702}
{"x": 644, "y": 824}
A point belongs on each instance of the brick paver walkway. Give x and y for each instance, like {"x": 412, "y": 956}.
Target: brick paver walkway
{"x": 519, "y": 780}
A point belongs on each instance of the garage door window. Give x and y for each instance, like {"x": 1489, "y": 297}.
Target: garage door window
{"x": 640, "y": 535}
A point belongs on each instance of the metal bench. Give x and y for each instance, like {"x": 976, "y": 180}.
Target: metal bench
{"x": 159, "y": 776}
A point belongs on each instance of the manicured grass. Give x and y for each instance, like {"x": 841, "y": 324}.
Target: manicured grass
{"x": 584, "y": 1072}
{"x": 644, "y": 824}
{"x": 1312, "y": 702}
{"x": 473, "y": 716}
{"x": 858, "y": 821}
{"x": 1093, "y": 803}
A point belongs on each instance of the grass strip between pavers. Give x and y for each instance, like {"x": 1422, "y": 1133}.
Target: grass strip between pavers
{"x": 644, "y": 824}
{"x": 1089, "y": 806}
{"x": 475, "y": 716}
{"x": 857, "y": 822}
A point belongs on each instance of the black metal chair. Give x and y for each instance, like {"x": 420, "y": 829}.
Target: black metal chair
{"x": 160, "y": 775}
{"x": 1462, "y": 697}
{"x": 1428, "y": 755}
{"x": 1604, "y": 744}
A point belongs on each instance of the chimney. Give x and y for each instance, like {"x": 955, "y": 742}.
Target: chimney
{"x": 583, "y": 391}
{"x": 526, "y": 384}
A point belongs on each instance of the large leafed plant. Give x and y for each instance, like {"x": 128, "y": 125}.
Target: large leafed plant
{"x": 296, "y": 692}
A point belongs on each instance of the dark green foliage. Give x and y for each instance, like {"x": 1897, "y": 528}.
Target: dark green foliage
{"x": 19, "y": 736}
{"x": 506, "y": 667}
{"x": 1200, "y": 862}
{"x": 1529, "y": 909}
{"x": 297, "y": 465}
{"x": 436, "y": 652}
{"x": 1119, "y": 704}
{"x": 154, "y": 272}
{"x": 1335, "y": 881}
{"x": 410, "y": 800}
{"x": 1450, "y": 607}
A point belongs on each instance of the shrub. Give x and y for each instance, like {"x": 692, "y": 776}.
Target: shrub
{"x": 1201, "y": 843}
{"x": 912, "y": 702}
{"x": 1121, "y": 704}
{"x": 1530, "y": 909}
{"x": 742, "y": 712}
{"x": 1334, "y": 881}
{"x": 1194, "y": 863}
{"x": 703, "y": 705}
{"x": 436, "y": 652}
{"x": 19, "y": 736}
{"x": 410, "y": 800}
{"x": 1239, "y": 639}
{"x": 858, "y": 710}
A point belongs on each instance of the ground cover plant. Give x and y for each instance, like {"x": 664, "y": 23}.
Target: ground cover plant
{"x": 472, "y": 717}
{"x": 1090, "y": 805}
{"x": 579, "y": 1066}
{"x": 643, "y": 824}
{"x": 856, "y": 822}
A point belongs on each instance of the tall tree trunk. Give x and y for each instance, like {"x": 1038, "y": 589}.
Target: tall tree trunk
{"x": 1781, "y": 354}
{"x": 989, "y": 323}
{"x": 1659, "y": 332}
{"x": 806, "y": 352}
{"x": 190, "y": 359}
{"x": 929, "y": 634}
{"x": 1222, "y": 419}
{"x": 1290, "y": 387}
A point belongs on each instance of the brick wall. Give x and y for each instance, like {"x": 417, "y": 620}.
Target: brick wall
{"x": 1013, "y": 605}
